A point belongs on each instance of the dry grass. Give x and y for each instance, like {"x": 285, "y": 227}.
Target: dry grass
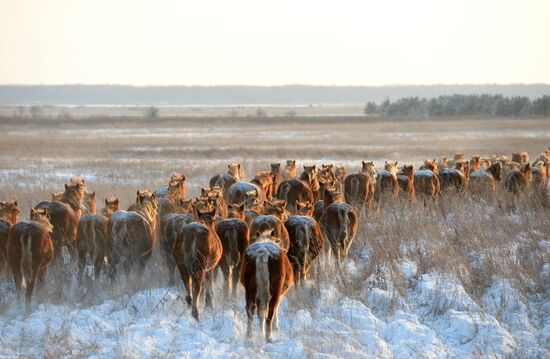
{"x": 473, "y": 241}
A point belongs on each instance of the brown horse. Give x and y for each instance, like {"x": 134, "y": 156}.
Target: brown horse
{"x": 277, "y": 207}
{"x": 387, "y": 187}
{"x": 175, "y": 190}
{"x": 426, "y": 181}
{"x": 9, "y": 212}
{"x": 519, "y": 180}
{"x": 339, "y": 224}
{"x": 340, "y": 175}
{"x": 306, "y": 243}
{"x": 266, "y": 276}
{"x": 405, "y": 178}
{"x": 225, "y": 180}
{"x": 92, "y": 241}
{"x": 290, "y": 170}
{"x": 455, "y": 180}
{"x": 235, "y": 238}
{"x": 214, "y": 195}
{"x": 277, "y": 178}
{"x": 30, "y": 250}
{"x": 539, "y": 172}
{"x": 197, "y": 251}
{"x": 170, "y": 224}
{"x": 132, "y": 234}
{"x": 299, "y": 189}
{"x": 89, "y": 203}
{"x": 245, "y": 192}
{"x": 304, "y": 209}
{"x": 265, "y": 223}
{"x": 485, "y": 182}
{"x": 264, "y": 180}
{"x": 359, "y": 188}
{"x": 64, "y": 219}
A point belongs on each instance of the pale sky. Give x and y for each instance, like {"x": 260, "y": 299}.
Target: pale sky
{"x": 165, "y": 42}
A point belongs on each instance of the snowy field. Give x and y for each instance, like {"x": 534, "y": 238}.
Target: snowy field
{"x": 465, "y": 279}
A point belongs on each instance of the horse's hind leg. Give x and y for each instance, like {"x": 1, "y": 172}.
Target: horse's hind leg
{"x": 197, "y": 279}
{"x": 250, "y": 309}
{"x": 208, "y": 288}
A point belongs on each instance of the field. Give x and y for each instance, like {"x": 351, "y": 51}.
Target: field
{"x": 463, "y": 278}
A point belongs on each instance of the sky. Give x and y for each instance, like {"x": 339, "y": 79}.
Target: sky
{"x": 261, "y": 42}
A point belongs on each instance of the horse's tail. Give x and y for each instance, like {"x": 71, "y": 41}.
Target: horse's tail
{"x": 283, "y": 191}
{"x": 354, "y": 188}
{"x": 262, "y": 284}
{"x": 26, "y": 255}
{"x": 343, "y": 231}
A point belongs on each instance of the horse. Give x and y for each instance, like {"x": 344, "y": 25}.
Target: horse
{"x": 266, "y": 276}
{"x": 92, "y": 241}
{"x": 132, "y": 234}
{"x": 299, "y": 189}
{"x": 426, "y": 181}
{"x": 339, "y": 224}
{"x": 264, "y": 223}
{"x": 306, "y": 243}
{"x": 359, "y": 187}
{"x": 235, "y": 238}
{"x": 9, "y": 212}
{"x": 30, "y": 251}
{"x": 225, "y": 180}
{"x": 197, "y": 251}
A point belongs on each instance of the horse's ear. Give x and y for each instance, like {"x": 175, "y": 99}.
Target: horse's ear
{"x": 106, "y": 202}
{"x": 46, "y": 213}
{"x": 213, "y": 212}
{"x": 116, "y": 201}
{"x": 395, "y": 163}
{"x": 92, "y": 194}
{"x": 229, "y": 166}
{"x": 272, "y": 233}
{"x": 66, "y": 187}
{"x": 283, "y": 203}
{"x": 15, "y": 203}
{"x": 241, "y": 207}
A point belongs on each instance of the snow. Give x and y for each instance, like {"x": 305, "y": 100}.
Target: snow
{"x": 438, "y": 319}
{"x": 271, "y": 248}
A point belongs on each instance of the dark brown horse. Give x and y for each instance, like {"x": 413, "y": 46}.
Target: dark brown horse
{"x": 30, "y": 250}
{"x": 266, "y": 276}
{"x": 306, "y": 243}
{"x": 225, "y": 180}
{"x": 519, "y": 180}
{"x": 339, "y": 224}
{"x": 235, "y": 238}
{"x": 277, "y": 178}
{"x": 132, "y": 234}
{"x": 197, "y": 251}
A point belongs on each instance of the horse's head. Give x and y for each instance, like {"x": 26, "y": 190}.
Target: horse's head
{"x": 111, "y": 206}
{"x": 9, "y": 210}
{"x": 304, "y": 208}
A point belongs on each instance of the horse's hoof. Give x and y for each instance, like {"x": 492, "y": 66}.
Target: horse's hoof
{"x": 195, "y": 314}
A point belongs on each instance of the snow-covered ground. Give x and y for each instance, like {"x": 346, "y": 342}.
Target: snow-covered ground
{"x": 435, "y": 318}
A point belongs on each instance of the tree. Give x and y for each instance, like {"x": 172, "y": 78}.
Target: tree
{"x": 152, "y": 112}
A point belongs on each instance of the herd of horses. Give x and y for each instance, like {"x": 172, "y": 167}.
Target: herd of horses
{"x": 265, "y": 234}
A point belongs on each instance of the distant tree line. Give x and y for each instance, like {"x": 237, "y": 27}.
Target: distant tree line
{"x": 462, "y": 105}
